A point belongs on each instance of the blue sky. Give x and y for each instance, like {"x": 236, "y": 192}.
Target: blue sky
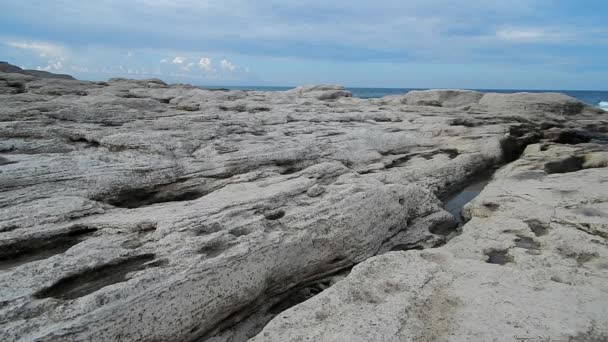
{"x": 525, "y": 44}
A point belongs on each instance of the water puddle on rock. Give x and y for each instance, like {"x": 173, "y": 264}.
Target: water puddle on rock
{"x": 455, "y": 203}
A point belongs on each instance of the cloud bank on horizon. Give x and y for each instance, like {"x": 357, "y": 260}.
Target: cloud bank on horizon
{"x": 394, "y": 43}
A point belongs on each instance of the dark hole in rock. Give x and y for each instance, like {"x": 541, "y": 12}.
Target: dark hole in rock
{"x": 526, "y": 242}
{"x": 491, "y": 205}
{"x": 241, "y": 231}
{"x": 406, "y": 247}
{"x": 456, "y": 202}
{"x": 258, "y": 109}
{"x": 462, "y": 122}
{"x": 431, "y": 103}
{"x": 548, "y": 125}
{"x": 298, "y": 296}
{"x": 537, "y": 227}
{"x": 274, "y": 214}
{"x": 446, "y": 228}
{"x": 9, "y": 228}
{"x": 40, "y": 248}
{"x": 570, "y": 164}
{"x": 135, "y": 198}
{"x": 207, "y": 229}
{"x": 519, "y": 137}
{"x": 451, "y": 152}
{"x": 165, "y": 101}
{"x": 94, "y": 279}
{"x": 568, "y": 137}
{"x": 214, "y": 249}
{"x": 111, "y": 124}
{"x": 224, "y": 175}
{"x": 89, "y": 143}
{"x": 284, "y": 162}
{"x": 511, "y": 149}
{"x": 4, "y": 161}
{"x": 127, "y": 96}
{"x": 499, "y": 256}
{"x": 258, "y": 133}
{"x": 290, "y": 170}
{"x": 396, "y": 162}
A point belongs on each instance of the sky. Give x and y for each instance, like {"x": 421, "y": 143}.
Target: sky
{"x": 482, "y": 44}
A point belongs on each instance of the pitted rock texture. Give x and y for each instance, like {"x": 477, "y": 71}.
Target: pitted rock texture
{"x": 530, "y": 264}
{"x": 133, "y": 210}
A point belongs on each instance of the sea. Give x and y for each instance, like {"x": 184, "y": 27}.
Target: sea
{"x": 592, "y": 97}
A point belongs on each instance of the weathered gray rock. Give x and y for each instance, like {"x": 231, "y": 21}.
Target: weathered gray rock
{"x": 533, "y": 103}
{"x": 322, "y": 92}
{"x": 530, "y": 264}
{"x": 136, "y": 210}
{"x": 442, "y": 98}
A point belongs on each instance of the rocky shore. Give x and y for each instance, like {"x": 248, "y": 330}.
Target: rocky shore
{"x": 133, "y": 210}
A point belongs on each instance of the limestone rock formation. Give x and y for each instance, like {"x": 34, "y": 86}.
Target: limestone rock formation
{"x": 530, "y": 264}
{"x": 133, "y": 210}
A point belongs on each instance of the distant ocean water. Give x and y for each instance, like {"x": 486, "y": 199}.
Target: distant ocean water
{"x": 594, "y": 98}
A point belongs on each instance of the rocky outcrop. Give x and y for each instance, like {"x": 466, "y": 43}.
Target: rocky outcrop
{"x": 547, "y": 103}
{"x": 442, "y": 98}
{"x": 9, "y": 68}
{"x": 530, "y": 264}
{"x": 135, "y": 210}
{"x": 539, "y": 104}
{"x": 322, "y": 92}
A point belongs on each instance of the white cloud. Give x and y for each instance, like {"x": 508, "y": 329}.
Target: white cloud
{"x": 179, "y": 60}
{"x": 53, "y": 65}
{"x": 79, "y": 68}
{"x": 227, "y": 65}
{"x": 164, "y": 60}
{"x": 40, "y": 48}
{"x": 205, "y": 63}
{"x": 538, "y": 35}
{"x": 521, "y": 35}
{"x": 188, "y": 66}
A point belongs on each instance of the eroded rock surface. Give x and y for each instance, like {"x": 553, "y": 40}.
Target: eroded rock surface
{"x": 140, "y": 211}
{"x": 530, "y": 264}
